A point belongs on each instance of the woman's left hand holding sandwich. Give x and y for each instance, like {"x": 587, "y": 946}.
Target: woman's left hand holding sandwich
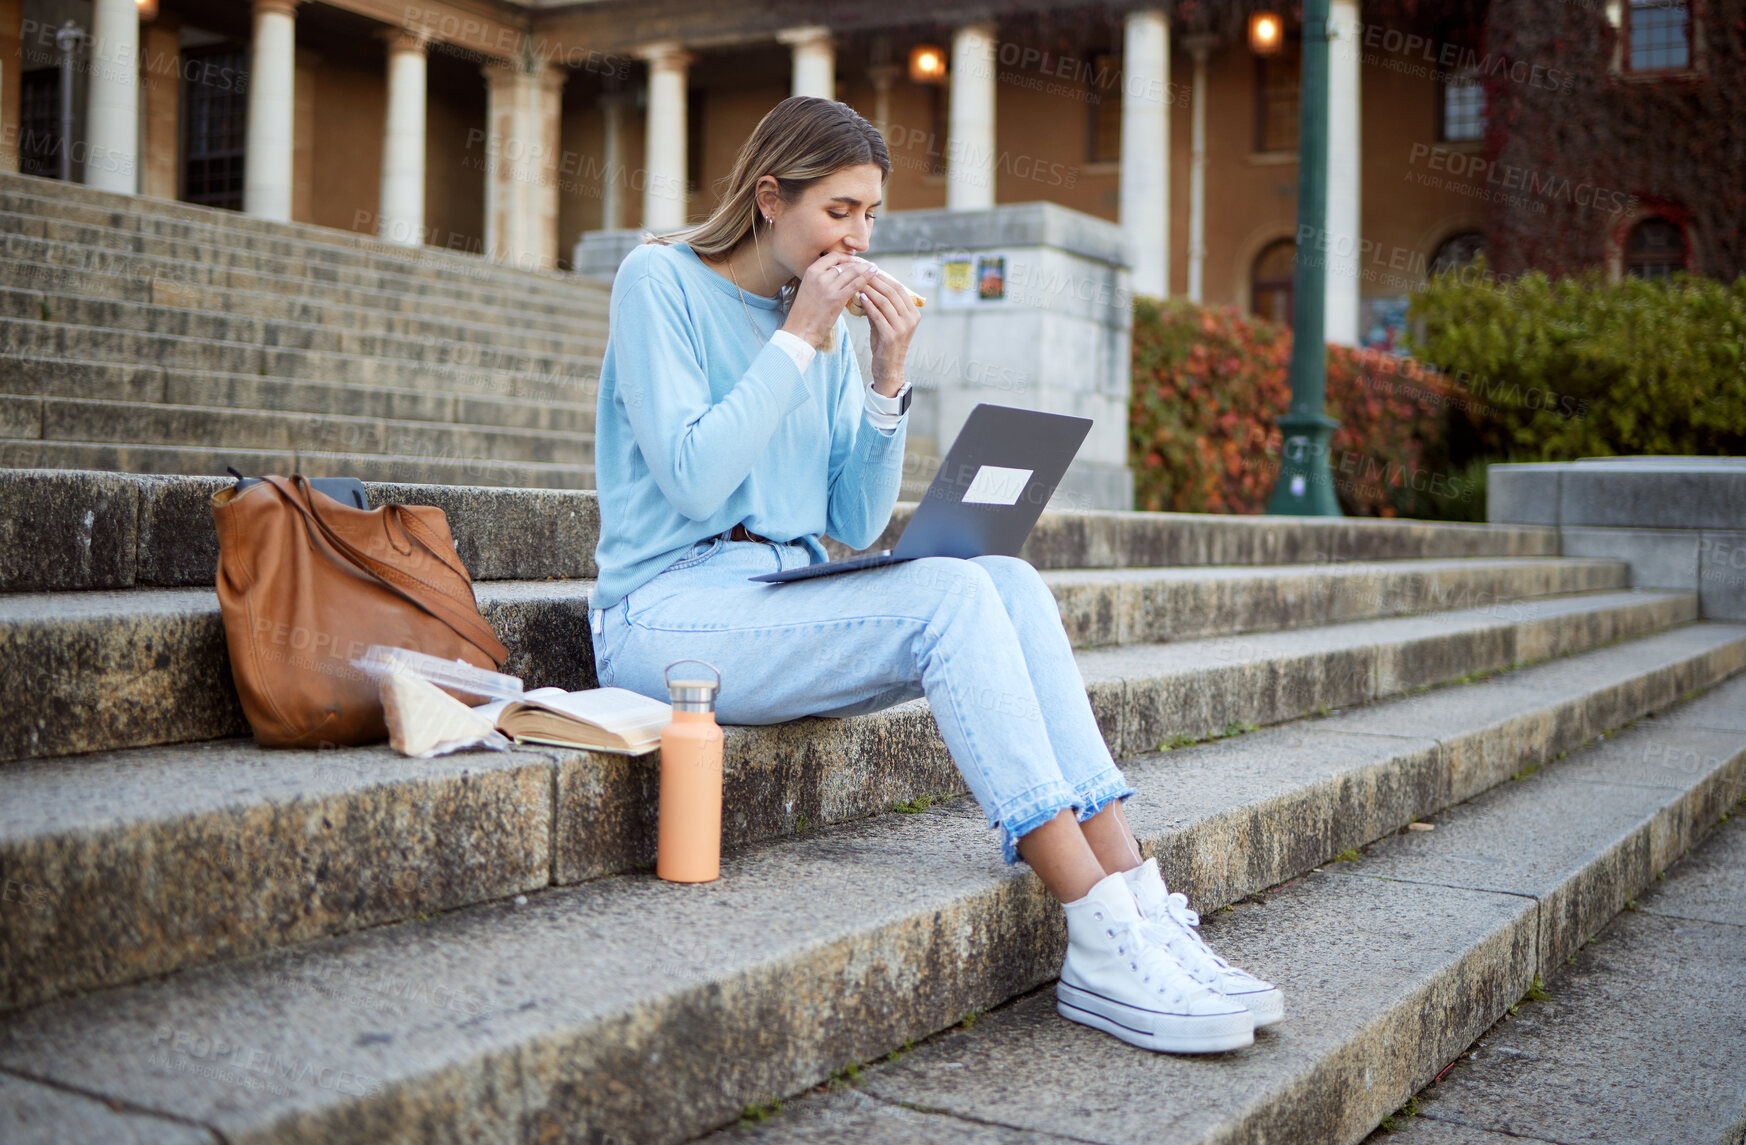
{"x": 892, "y": 317}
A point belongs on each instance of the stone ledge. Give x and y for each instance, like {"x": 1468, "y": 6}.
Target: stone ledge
{"x": 173, "y": 544}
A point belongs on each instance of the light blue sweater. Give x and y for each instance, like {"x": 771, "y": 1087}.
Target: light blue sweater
{"x": 702, "y": 424}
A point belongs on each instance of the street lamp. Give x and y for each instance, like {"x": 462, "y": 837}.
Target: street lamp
{"x": 1266, "y": 33}
{"x": 927, "y": 64}
{"x": 1305, "y": 486}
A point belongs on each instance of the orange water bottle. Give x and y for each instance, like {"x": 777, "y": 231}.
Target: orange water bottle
{"x": 688, "y": 844}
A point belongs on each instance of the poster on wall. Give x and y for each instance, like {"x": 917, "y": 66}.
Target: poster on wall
{"x": 972, "y": 281}
{"x": 1382, "y": 324}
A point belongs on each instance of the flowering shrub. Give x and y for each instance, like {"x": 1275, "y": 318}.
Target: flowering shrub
{"x": 1210, "y": 385}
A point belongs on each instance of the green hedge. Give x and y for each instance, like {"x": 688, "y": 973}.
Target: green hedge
{"x": 1558, "y": 369}
{"x": 1210, "y": 385}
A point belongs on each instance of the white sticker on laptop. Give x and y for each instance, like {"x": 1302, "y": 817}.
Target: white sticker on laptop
{"x": 997, "y": 485}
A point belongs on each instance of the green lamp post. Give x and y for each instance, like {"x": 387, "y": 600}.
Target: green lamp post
{"x": 1305, "y": 486}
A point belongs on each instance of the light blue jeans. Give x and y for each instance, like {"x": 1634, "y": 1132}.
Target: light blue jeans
{"x": 981, "y": 638}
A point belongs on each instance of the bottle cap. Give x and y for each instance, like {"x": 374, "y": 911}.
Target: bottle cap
{"x": 692, "y": 692}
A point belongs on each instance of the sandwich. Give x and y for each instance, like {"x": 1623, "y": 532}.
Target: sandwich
{"x": 854, "y": 305}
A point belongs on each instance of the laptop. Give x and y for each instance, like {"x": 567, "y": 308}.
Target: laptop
{"x": 987, "y": 496}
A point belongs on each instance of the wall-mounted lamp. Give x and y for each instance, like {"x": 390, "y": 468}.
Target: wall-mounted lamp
{"x": 148, "y": 9}
{"x": 927, "y": 64}
{"x": 1266, "y": 33}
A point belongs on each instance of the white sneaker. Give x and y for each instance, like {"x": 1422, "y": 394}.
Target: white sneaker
{"x": 1170, "y": 924}
{"x": 1116, "y": 981}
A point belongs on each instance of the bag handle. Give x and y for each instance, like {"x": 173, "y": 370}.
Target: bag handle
{"x": 466, "y": 622}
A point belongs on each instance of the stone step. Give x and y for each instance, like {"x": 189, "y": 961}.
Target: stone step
{"x": 49, "y": 199}
{"x": 1391, "y": 964}
{"x": 47, "y": 283}
{"x": 500, "y": 308}
{"x": 254, "y": 333}
{"x": 473, "y": 281}
{"x": 132, "y": 668}
{"x": 119, "y": 381}
{"x": 549, "y": 1015}
{"x": 163, "y": 424}
{"x": 470, "y": 369}
{"x": 779, "y": 779}
{"x": 1610, "y": 1055}
{"x": 146, "y": 530}
{"x": 196, "y": 461}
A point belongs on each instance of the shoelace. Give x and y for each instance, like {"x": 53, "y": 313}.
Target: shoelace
{"x": 1155, "y": 963}
{"x": 1185, "y": 942}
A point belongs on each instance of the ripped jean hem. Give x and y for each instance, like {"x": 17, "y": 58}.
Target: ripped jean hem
{"x": 1097, "y": 794}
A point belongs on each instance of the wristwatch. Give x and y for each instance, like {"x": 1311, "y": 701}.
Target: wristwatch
{"x": 882, "y": 403}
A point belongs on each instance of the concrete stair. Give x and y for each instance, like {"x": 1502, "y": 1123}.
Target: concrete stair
{"x": 212, "y": 941}
{"x": 1393, "y": 961}
{"x": 153, "y": 337}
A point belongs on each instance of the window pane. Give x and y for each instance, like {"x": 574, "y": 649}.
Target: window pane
{"x": 1276, "y": 100}
{"x": 1463, "y": 107}
{"x": 1658, "y": 35}
{"x": 1106, "y": 101}
{"x": 1457, "y": 251}
{"x": 1655, "y": 249}
{"x": 39, "y": 124}
{"x": 1271, "y": 280}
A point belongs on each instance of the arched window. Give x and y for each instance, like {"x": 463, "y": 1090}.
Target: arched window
{"x": 1270, "y": 281}
{"x": 1655, "y": 248}
{"x": 1457, "y": 251}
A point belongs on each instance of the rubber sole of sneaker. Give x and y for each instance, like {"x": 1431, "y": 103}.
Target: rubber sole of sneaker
{"x": 1267, "y": 1006}
{"x": 1151, "y": 1030}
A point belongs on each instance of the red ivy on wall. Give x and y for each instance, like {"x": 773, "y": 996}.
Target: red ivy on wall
{"x": 1673, "y": 143}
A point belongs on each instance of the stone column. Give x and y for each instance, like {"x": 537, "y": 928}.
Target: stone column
{"x": 1198, "y": 47}
{"x": 612, "y": 109}
{"x": 267, "y": 169}
{"x": 815, "y": 60}
{"x": 970, "y": 116}
{"x": 1344, "y": 173}
{"x": 522, "y": 117}
{"x": 161, "y": 112}
{"x": 883, "y": 76}
{"x": 400, "y": 215}
{"x": 664, "y": 197}
{"x": 112, "y": 105}
{"x": 1145, "y": 174}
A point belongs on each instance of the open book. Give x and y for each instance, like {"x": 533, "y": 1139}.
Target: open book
{"x": 599, "y": 719}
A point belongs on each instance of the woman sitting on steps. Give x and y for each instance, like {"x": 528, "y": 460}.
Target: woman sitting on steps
{"x": 733, "y": 429}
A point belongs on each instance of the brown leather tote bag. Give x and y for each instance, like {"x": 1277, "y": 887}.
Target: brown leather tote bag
{"x": 306, "y": 584}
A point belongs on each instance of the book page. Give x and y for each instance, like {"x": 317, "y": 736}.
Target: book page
{"x": 620, "y": 710}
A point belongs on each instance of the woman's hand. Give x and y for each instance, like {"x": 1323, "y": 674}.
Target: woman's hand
{"x": 825, "y": 289}
{"x": 892, "y": 317}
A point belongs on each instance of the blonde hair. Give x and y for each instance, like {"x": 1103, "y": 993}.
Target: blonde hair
{"x": 799, "y": 141}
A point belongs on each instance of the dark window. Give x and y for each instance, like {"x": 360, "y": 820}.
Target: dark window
{"x": 1660, "y": 35}
{"x": 39, "y": 124}
{"x": 1276, "y": 86}
{"x": 1457, "y": 251}
{"x": 1104, "y": 94}
{"x": 1461, "y": 111}
{"x": 1270, "y": 282}
{"x": 215, "y": 103}
{"x": 1655, "y": 248}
